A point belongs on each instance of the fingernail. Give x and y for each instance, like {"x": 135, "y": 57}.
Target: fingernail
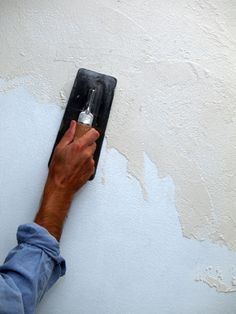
{"x": 72, "y": 123}
{"x": 94, "y": 130}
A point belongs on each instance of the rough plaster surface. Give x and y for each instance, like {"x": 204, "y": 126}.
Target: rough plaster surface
{"x": 124, "y": 254}
{"x": 175, "y": 63}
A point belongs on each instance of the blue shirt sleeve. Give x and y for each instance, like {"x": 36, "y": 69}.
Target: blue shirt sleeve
{"x": 29, "y": 270}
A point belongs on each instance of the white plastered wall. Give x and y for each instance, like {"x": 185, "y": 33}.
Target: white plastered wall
{"x": 155, "y": 231}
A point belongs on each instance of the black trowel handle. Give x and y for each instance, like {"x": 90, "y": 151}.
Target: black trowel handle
{"x": 81, "y": 129}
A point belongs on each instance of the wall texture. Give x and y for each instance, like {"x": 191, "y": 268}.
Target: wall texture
{"x": 155, "y": 232}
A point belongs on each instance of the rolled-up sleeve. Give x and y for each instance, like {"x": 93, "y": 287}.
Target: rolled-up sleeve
{"x": 29, "y": 270}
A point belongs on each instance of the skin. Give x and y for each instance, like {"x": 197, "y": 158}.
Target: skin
{"x": 71, "y": 167}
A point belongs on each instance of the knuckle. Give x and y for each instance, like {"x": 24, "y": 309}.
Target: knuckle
{"x": 78, "y": 145}
{"x": 87, "y": 154}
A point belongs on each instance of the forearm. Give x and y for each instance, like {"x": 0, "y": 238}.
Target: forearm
{"x": 54, "y": 208}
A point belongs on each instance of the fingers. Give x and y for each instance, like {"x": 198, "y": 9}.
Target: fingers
{"x": 69, "y": 135}
{"x": 86, "y": 154}
{"x": 88, "y": 171}
{"x": 89, "y": 151}
{"x": 82, "y": 155}
{"x": 88, "y": 138}
{"x": 84, "y": 147}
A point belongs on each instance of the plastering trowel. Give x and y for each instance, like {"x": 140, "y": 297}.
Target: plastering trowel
{"x": 89, "y": 103}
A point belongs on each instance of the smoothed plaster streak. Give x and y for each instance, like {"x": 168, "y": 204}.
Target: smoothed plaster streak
{"x": 218, "y": 284}
{"x": 214, "y": 278}
{"x": 176, "y": 95}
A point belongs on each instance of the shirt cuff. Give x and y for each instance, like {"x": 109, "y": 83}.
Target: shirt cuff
{"x": 35, "y": 235}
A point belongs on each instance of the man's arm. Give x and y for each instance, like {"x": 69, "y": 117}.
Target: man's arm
{"x": 71, "y": 166}
{"x": 35, "y": 264}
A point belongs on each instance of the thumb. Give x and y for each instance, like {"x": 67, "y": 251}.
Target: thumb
{"x": 69, "y": 135}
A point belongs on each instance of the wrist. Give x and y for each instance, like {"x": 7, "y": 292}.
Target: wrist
{"x": 54, "y": 189}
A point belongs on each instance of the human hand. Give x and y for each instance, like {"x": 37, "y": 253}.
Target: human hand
{"x": 72, "y": 162}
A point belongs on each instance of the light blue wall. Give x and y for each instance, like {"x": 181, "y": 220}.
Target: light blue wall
{"x": 124, "y": 254}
